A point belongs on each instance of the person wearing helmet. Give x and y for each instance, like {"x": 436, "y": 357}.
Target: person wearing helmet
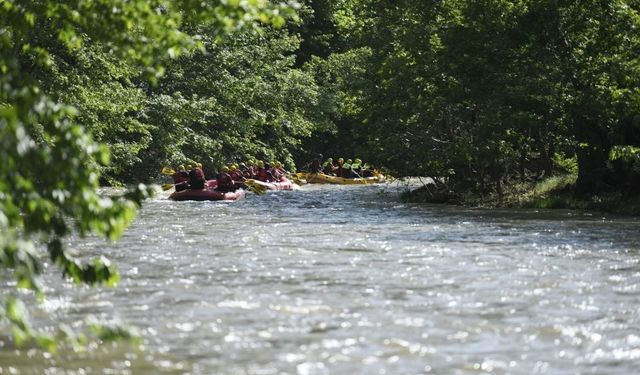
{"x": 180, "y": 175}
{"x": 366, "y": 170}
{"x": 196, "y": 178}
{"x": 280, "y": 171}
{"x": 244, "y": 170}
{"x": 180, "y": 179}
{"x": 276, "y": 171}
{"x": 263, "y": 173}
{"x": 338, "y": 170}
{"x": 346, "y": 169}
{"x": 224, "y": 181}
{"x": 328, "y": 167}
{"x": 316, "y": 164}
{"x": 236, "y": 173}
{"x": 253, "y": 167}
{"x": 356, "y": 168}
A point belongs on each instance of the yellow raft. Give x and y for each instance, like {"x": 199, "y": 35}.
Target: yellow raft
{"x": 321, "y": 178}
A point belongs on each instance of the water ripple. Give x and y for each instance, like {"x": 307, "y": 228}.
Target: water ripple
{"x": 335, "y": 280}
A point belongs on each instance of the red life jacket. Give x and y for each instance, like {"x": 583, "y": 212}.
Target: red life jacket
{"x": 199, "y": 174}
{"x": 263, "y": 175}
{"x": 180, "y": 176}
{"x": 224, "y": 180}
{"x": 196, "y": 178}
{"x": 276, "y": 174}
{"x": 236, "y": 175}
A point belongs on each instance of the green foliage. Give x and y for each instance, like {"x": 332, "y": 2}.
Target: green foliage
{"x": 566, "y": 165}
{"x": 629, "y": 154}
{"x": 71, "y": 71}
{"x": 488, "y": 89}
{"x": 242, "y": 98}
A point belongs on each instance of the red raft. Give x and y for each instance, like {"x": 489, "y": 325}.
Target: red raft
{"x": 206, "y": 194}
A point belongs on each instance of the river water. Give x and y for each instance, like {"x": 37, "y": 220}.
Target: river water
{"x": 347, "y": 280}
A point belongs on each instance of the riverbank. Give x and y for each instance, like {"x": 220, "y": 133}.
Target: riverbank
{"x": 552, "y": 193}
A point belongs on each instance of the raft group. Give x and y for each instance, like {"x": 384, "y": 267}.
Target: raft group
{"x": 231, "y": 182}
{"x": 349, "y": 172}
{"x": 345, "y": 169}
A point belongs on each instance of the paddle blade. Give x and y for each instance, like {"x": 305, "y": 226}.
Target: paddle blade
{"x": 257, "y": 189}
{"x": 168, "y": 171}
{"x": 166, "y": 187}
{"x": 296, "y": 179}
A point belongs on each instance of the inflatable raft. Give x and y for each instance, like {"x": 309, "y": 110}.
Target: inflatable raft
{"x": 206, "y": 194}
{"x": 320, "y": 178}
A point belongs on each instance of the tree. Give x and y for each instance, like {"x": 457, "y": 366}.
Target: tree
{"x": 51, "y": 165}
{"x": 241, "y": 99}
{"x": 487, "y": 91}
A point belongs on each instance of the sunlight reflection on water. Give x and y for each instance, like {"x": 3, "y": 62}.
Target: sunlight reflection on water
{"x": 336, "y": 280}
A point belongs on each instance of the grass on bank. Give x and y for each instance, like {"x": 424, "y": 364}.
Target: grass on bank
{"x": 555, "y": 192}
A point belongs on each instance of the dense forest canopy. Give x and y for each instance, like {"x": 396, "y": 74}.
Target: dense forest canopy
{"x": 481, "y": 92}
{"x": 475, "y": 94}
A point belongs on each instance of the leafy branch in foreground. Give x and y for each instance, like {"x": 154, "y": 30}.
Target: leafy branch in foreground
{"x": 50, "y": 164}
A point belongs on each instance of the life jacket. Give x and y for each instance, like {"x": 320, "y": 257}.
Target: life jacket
{"x": 282, "y": 173}
{"x": 355, "y": 170}
{"x": 180, "y": 176}
{"x": 224, "y": 179}
{"x": 251, "y": 171}
{"x": 236, "y": 175}
{"x": 328, "y": 168}
{"x": 346, "y": 171}
{"x": 316, "y": 167}
{"x": 264, "y": 175}
{"x": 196, "y": 179}
{"x": 246, "y": 172}
{"x": 225, "y": 182}
{"x": 275, "y": 173}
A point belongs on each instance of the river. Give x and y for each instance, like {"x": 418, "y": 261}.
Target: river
{"x": 347, "y": 280}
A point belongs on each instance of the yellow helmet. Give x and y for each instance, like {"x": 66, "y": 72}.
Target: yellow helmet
{"x": 181, "y": 167}
{"x": 225, "y": 169}
{"x": 358, "y": 161}
{"x": 260, "y": 163}
{"x": 189, "y": 167}
{"x": 349, "y": 161}
{"x": 341, "y": 160}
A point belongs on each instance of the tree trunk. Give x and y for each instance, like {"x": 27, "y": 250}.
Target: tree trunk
{"x": 593, "y": 154}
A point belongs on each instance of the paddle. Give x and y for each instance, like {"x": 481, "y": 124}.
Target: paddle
{"x": 295, "y": 179}
{"x": 166, "y": 187}
{"x": 168, "y": 171}
{"x": 254, "y": 187}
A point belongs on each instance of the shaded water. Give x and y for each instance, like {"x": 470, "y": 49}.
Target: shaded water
{"x": 346, "y": 280}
